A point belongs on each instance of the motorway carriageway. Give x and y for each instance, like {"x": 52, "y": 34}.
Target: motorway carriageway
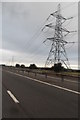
{"x": 26, "y": 97}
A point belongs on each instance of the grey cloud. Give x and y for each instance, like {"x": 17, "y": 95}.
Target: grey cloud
{"x": 20, "y": 21}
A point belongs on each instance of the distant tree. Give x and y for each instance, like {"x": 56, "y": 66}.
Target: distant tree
{"x": 3, "y": 65}
{"x": 57, "y": 67}
{"x": 22, "y": 66}
{"x": 32, "y": 66}
{"x": 17, "y": 65}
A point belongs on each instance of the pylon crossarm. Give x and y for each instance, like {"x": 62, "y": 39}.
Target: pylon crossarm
{"x": 69, "y": 33}
{"x": 66, "y": 19}
{"x": 53, "y": 26}
{"x": 56, "y": 39}
{"x": 61, "y": 17}
{"x": 65, "y": 30}
{"x": 63, "y": 41}
{"x": 50, "y": 26}
{"x": 57, "y": 52}
{"x": 57, "y": 15}
{"x": 51, "y": 39}
{"x": 73, "y": 31}
{"x": 69, "y": 18}
{"x": 70, "y": 42}
{"x": 52, "y": 14}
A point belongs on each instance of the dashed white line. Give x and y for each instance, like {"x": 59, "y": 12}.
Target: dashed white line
{"x": 12, "y": 96}
{"x": 56, "y": 86}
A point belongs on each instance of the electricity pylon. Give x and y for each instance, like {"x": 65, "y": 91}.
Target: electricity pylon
{"x": 57, "y": 52}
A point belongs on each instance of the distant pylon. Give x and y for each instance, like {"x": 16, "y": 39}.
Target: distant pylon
{"x": 57, "y": 52}
{"x": 12, "y": 61}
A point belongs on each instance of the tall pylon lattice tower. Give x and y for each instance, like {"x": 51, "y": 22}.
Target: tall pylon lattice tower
{"x": 57, "y": 52}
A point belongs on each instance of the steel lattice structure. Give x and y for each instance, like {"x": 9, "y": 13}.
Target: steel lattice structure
{"x": 57, "y": 52}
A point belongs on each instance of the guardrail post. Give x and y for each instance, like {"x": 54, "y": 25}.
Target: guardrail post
{"x": 35, "y": 74}
{"x": 62, "y": 78}
{"x": 45, "y": 75}
{"x": 28, "y": 72}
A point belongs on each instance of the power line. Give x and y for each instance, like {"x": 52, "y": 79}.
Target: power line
{"x": 57, "y": 51}
{"x": 35, "y": 37}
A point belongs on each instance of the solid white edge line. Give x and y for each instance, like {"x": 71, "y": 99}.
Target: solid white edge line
{"x": 59, "y": 87}
{"x": 12, "y": 96}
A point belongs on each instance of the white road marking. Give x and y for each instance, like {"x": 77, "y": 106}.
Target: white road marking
{"x": 56, "y": 86}
{"x": 12, "y": 96}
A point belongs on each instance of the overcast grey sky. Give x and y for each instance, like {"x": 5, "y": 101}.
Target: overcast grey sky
{"x": 21, "y": 35}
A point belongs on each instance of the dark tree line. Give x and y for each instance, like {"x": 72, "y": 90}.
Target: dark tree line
{"x": 58, "y": 67}
{"x": 18, "y": 66}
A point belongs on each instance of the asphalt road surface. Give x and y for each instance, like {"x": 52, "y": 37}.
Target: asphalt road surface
{"x": 28, "y": 98}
